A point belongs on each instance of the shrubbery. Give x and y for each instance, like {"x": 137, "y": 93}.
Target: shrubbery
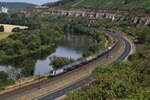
{"x": 4, "y": 79}
{"x": 58, "y": 62}
{"x": 127, "y": 80}
{"x": 1, "y": 28}
{"x": 29, "y": 40}
{"x": 18, "y": 19}
{"x": 100, "y": 39}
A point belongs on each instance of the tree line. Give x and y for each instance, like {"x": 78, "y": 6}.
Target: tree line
{"x": 27, "y": 41}
{"x": 18, "y": 19}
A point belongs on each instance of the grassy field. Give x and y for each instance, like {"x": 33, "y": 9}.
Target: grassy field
{"x": 4, "y": 34}
{"x": 110, "y": 4}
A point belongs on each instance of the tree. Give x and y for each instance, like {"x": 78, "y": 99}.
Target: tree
{"x": 60, "y": 61}
{"x": 1, "y": 28}
{"x": 28, "y": 67}
{"x": 3, "y": 76}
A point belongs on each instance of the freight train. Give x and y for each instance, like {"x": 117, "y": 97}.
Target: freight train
{"x": 76, "y": 64}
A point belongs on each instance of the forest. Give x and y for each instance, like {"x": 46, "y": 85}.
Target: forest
{"x": 28, "y": 41}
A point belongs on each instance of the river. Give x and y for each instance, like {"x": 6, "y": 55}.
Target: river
{"x": 71, "y": 46}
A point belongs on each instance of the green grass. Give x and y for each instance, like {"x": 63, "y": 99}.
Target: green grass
{"x": 110, "y": 4}
{"x": 4, "y": 34}
{"x": 5, "y": 83}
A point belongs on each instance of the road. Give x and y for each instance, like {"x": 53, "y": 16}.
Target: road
{"x": 61, "y": 91}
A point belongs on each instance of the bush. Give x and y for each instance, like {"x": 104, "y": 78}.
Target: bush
{"x": 29, "y": 40}
{"x": 3, "y": 76}
{"x": 58, "y": 62}
{"x": 1, "y": 28}
{"x": 134, "y": 56}
{"x": 129, "y": 81}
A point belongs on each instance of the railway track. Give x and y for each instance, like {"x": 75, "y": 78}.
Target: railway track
{"x": 35, "y": 86}
{"x": 62, "y": 91}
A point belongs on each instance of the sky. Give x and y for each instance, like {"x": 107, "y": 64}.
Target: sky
{"x": 38, "y": 2}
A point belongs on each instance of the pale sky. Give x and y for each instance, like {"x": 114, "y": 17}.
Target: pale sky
{"x": 39, "y": 2}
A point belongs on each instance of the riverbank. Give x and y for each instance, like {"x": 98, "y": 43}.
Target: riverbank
{"x": 8, "y": 59}
{"x": 69, "y": 47}
{"x": 32, "y": 79}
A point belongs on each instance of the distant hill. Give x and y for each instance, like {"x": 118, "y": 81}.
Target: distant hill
{"x": 111, "y": 4}
{"x": 105, "y": 4}
{"x": 58, "y": 3}
{"x": 15, "y": 6}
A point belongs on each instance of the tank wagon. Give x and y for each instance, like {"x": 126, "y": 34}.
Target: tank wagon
{"x": 78, "y": 63}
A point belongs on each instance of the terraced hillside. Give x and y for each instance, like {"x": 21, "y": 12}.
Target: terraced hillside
{"x": 107, "y": 4}
{"x": 111, "y": 4}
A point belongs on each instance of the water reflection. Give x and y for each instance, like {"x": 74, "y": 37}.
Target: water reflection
{"x": 72, "y": 46}
{"x": 42, "y": 66}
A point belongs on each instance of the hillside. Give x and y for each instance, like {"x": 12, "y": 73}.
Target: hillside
{"x": 106, "y": 4}
{"x": 123, "y": 80}
{"x": 15, "y": 6}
